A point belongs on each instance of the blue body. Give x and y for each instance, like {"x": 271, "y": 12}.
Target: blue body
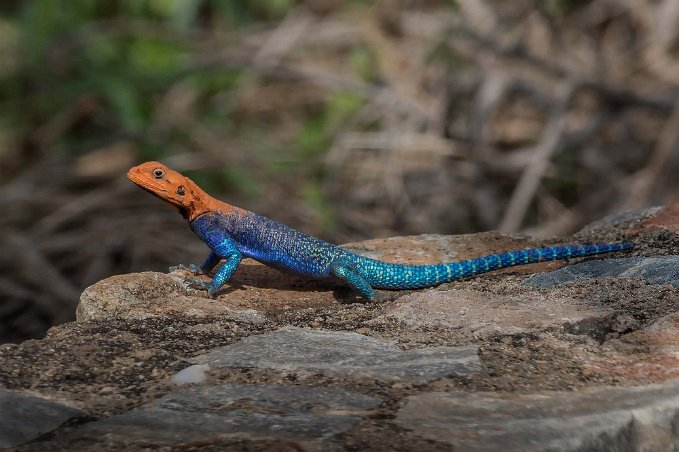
{"x": 232, "y": 236}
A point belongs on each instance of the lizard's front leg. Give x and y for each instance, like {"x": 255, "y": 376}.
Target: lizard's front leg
{"x": 223, "y": 247}
{"x": 210, "y": 262}
{"x": 223, "y": 274}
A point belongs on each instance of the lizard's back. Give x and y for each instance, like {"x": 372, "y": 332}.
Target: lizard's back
{"x": 271, "y": 242}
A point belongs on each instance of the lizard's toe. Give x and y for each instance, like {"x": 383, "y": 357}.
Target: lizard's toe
{"x": 197, "y": 283}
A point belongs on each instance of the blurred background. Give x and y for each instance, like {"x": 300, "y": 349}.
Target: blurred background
{"x": 346, "y": 119}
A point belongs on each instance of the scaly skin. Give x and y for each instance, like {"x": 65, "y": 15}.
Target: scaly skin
{"x": 232, "y": 233}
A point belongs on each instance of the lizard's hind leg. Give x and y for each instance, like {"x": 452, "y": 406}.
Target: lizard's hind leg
{"x": 356, "y": 281}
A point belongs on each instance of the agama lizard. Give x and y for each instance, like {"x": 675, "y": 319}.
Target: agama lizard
{"x": 232, "y": 233}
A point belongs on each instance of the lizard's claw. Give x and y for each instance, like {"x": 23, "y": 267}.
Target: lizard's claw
{"x": 197, "y": 283}
{"x": 193, "y": 268}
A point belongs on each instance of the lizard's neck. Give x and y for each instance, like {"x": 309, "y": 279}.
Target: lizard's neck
{"x": 202, "y": 203}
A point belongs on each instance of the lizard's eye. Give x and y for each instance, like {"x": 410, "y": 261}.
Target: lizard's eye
{"x": 180, "y": 191}
{"x": 158, "y": 173}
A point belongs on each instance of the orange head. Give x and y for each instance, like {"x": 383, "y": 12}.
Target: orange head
{"x": 177, "y": 190}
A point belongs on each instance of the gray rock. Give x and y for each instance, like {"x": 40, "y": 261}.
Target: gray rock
{"x": 621, "y": 219}
{"x": 195, "y": 374}
{"x": 240, "y": 410}
{"x": 24, "y": 418}
{"x": 599, "y": 419}
{"x": 653, "y": 270}
{"x": 344, "y": 353}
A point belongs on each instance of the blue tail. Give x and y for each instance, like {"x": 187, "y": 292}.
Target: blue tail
{"x": 472, "y": 267}
{"x": 395, "y": 276}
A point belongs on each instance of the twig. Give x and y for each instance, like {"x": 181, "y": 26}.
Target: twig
{"x": 283, "y": 39}
{"x": 76, "y": 207}
{"x": 644, "y": 181}
{"x": 42, "y": 273}
{"x": 551, "y": 141}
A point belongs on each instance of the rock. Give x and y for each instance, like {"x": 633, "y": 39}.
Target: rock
{"x": 252, "y": 411}
{"x": 144, "y": 295}
{"x": 482, "y": 314}
{"x": 653, "y": 270}
{"x": 256, "y": 291}
{"x": 650, "y": 354}
{"x": 621, "y": 220}
{"x": 597, "y": 419}
{"x": 24, "y": 418}
{"x": 341, "y": 353}
{"x": 658, "y": 218}
{"x": 191, "y": 375}
{"x": 280, "y": 362}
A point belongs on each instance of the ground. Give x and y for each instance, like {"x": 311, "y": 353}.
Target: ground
{"x": 369, "y": 376}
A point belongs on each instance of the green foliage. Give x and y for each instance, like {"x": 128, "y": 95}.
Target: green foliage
{"x": 91, "y": 72}
{"x": 317, "y": 132}
{"x": 363, "y": 60}
{"x": 315, "y": 197}
{"x": 124, "y": 55}
{"x": 272, "y": 9}
{"x": 243, "y": 182}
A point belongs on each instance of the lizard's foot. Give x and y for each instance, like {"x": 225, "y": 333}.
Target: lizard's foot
{"x": 193, "y": 268}
{"x": 197, "y": 283}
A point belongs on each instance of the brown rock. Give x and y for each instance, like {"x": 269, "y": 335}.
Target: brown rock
{"x": 146, "y": 295}
{"x": 650, "y": 354}
{"x": 666, "y": 218}
{"x": 482, "y": 314}
{"x": 563, "y": 348}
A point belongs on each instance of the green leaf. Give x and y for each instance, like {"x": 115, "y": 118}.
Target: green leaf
{"x": 341, "y": 105}
{"x": 126, "y": 103}
{"x": 243, "y": 181}
{"x": 318, "y": 131}
{"x": 363, "y": 60}
{"x": 181, "y": 13}
{"x": 312, "y": 139}
{"x": 149, "y": 57}
{"x": 314, "y": 197}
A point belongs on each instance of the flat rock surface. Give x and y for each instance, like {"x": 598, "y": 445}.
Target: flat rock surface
{"x": 601, "y": 419}
{"x": 483, "y": 313}
{"x": 151, "y": 294}
{"x": 201, "y": 414}
{"x": 24, "y": 418}
{"x": 653, "y": 270}
{"x": 256, "y": 290}
{"x": 346, "y": 354}
{"x": 648, "y": 354}
{"x": 279, "y": 362}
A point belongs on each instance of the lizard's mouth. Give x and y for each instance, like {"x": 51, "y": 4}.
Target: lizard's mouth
{"x": 181, "y": 209}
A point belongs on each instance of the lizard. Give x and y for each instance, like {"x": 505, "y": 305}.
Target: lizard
{"x": 232, "y": 233}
